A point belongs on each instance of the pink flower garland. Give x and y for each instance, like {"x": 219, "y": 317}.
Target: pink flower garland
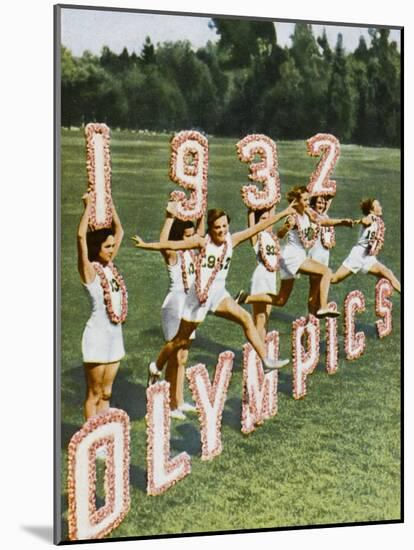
{"x": 328, "y": 147}
{"x": 328, "y": 237}
{"x": 383, "y": 307}
{"x": 307, "y": 243}
{"x": 90, "y": 130}
{"x": 222, "y": 377}
{"x": 354, "y": 343}
{"x": 114, "y": 318}
{"x": 265, "y": 172}
{"x": 332, "y": 348}
{"x": 300, "y": 356}
{"x": 184, "y": 268}
{"x": 203, "y": 294}
{"x": 181, "y": 463}
{"x": 263, "y": 255}
{"x": 262, "y": 388}
{"x": 97, "y": 516}
{"x": 377, "y": 240}
{"x": 193, "y": 177}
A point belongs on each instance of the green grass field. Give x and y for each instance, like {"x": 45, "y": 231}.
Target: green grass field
{"x": 333, "y": 457}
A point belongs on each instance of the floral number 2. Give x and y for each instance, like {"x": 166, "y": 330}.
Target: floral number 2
{"x": 188, "y": 168}
{"x": 264, "y": 171}
{"x": 326, "y": 146}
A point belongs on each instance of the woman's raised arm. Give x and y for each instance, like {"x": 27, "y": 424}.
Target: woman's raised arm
{"x": 118, "y": 230}
{"x": 85, "y": 268}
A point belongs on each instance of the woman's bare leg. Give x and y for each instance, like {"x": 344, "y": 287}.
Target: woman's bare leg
{"x": 109, "y": 374}
{"x": 229, "y": 309}
{"x": 312, "y": 267}
{"x": 94, "y": 375}
{"x": 379, "y": 270}
{"x": 180, "y": 340}
{"x": 341, "y": 274}
{"x": 175, "y": 375}
{"x": 279, "y": 299}
{"x": 261, "y": 313}
{"x": 314, "y": 294}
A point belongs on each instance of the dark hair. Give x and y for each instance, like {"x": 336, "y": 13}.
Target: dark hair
{"x": 258, "y": 214}
{"x": 366, "y": 205}
{"x": 314, "y": 199}
{"x": 94, "y": 240}
{"x": 213, "y": 215}
{"x": 296, "y": 192}
{"x": 177, "y": 229}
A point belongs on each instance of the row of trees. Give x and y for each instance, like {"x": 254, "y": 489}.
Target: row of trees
{"x": 242, "y": 84}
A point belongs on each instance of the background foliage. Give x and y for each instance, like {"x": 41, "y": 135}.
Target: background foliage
{"x": 244, "y": 83}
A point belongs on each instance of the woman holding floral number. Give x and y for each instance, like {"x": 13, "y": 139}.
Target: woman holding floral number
{"x": 102, "y": 341}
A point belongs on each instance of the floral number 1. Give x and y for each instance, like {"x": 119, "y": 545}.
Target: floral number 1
{"x": 98, "y": 167}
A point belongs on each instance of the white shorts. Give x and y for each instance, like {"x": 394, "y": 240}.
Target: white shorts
{"x": 171, "y": 313}
{"x": 194, "y": 311}
{"x": 359, "y": 260}
{"x": 291, "y": 259}
{"x": 319, "y": 253}
{"x": 102, "y": 342}
{"x": 263, "y": 281}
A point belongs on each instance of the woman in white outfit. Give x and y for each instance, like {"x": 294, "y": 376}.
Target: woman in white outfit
{"x": 362, "y": 257}
{"x": 102, "y": 341}
{"x": 326, "y": 240}
{"x": 266, "y": 247}
{"x": 208, "y": 293}
{"x": 300, "y": 231}
{"x": 181, "y": 273}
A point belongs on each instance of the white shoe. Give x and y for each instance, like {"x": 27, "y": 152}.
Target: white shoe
{"x": 188, "y": 407}
{"x": 101, "y": 452}
{"x": 273, "y": 364}
{"x": 177, "y": 414}
{"x": 153, "y": 374}
{"x": 322, "y": 313}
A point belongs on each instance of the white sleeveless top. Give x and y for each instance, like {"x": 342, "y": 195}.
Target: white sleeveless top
{"x": 268, "y": 247}
{"x": 96, "y": 295}
{"x": 212, "y": 256}
{"x": 366, "y": 233}
{"x": 292, "y": 237}
{"x": 175, "y": 273}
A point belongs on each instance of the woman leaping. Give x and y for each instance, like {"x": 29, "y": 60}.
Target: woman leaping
{"x": 208, "y": 293}
{"x": 363, "y": 256}
{"x": 301, "y": 230}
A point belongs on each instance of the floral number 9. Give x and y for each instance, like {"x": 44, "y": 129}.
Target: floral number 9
{"x": 188, "y": 168}
{"x": 265, "y": 171}
{"x": 327, "y": 146}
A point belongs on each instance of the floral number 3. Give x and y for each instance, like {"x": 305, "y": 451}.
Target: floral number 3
{"x": 264, "y": 171}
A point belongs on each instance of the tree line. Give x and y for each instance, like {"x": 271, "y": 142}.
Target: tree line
{"x": 244, "y": 83}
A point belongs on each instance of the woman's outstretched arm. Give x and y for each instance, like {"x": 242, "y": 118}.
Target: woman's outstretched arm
{"x": 168, "y": 255}
{"x": 193, "y": 242}
{"x": 348, "y": 222}
{"x": 241, "y": 236}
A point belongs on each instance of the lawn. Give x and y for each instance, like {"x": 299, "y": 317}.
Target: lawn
{"x": 333, "y": 457}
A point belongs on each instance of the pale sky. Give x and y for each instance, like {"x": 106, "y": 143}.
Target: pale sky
{"x": 92, "y": 29}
